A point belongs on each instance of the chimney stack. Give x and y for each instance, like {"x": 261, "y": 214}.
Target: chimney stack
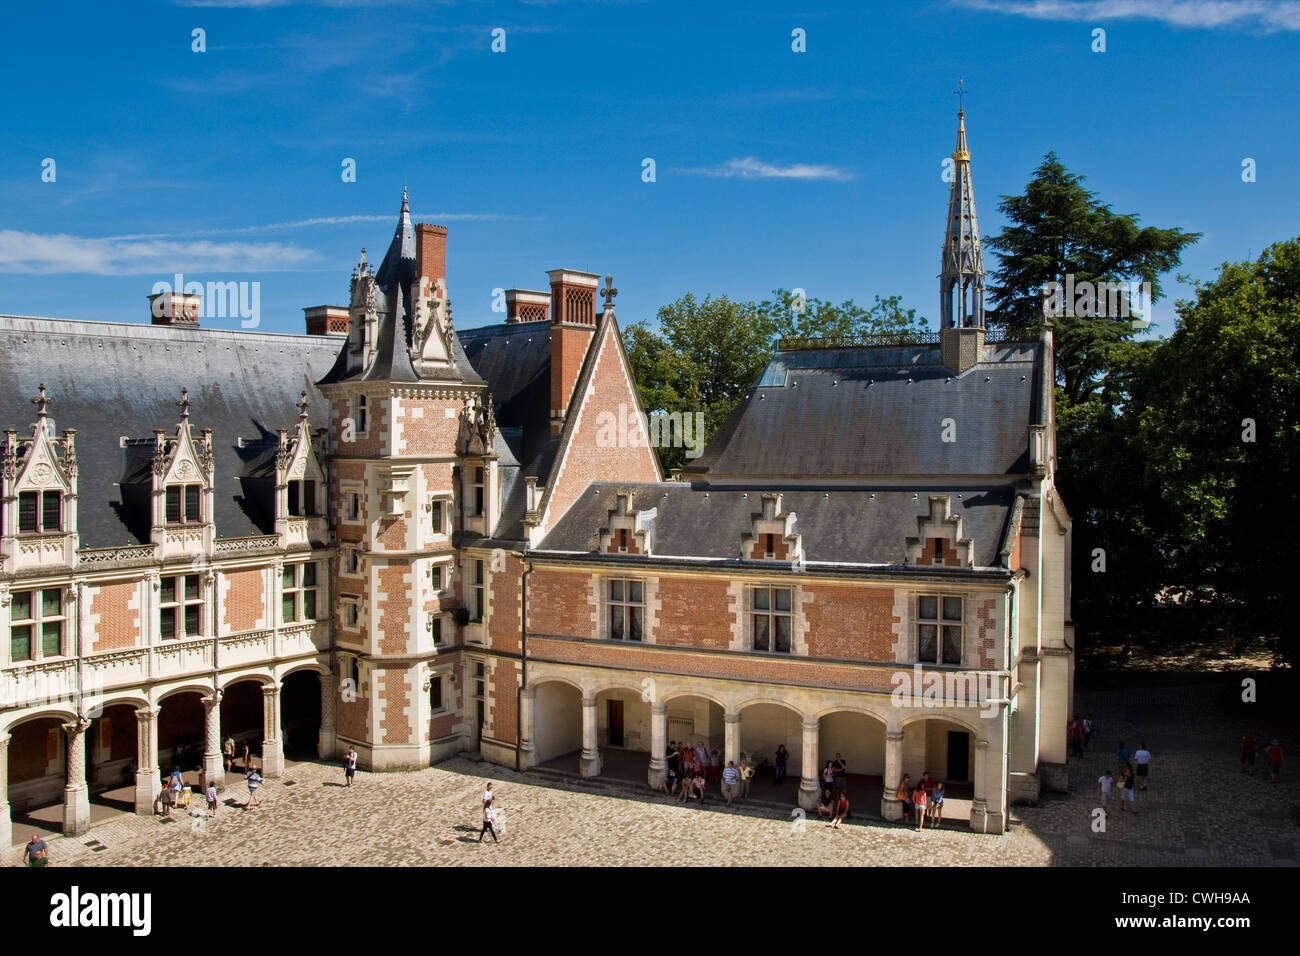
{"x": 431, "y": 252}
{"x": 326, "y": 320}
{"x": 573, "y": 326}
{"x": 525, "y": 305}
{"x": 175, "y": 308}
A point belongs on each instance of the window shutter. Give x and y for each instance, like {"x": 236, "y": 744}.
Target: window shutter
{"x": 27, "y": 512}
{"x": 173, "y": 504}
{"x": 191, "y": 502}
{"x": 51, "y": 511}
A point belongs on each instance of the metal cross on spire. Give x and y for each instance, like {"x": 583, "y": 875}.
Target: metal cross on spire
{"x": 960, "y": 92}
{"x": 40, "y": 401}
{"x": 303, "y": 405}
{"x": 184, "y": 404}
{"x": 609, "y": 292}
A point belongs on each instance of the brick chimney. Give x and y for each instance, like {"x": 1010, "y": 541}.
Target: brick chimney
{"x": 431, "y": 252}
{"x": 573, "y": 326}
{"x": 524, "y": 305}
{"x": 175, "y": 308}
{"x": 326, "y": 320}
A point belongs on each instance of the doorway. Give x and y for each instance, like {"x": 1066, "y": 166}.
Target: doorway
{"x": 615, "y": 723}
{"x": 958, "y": 755}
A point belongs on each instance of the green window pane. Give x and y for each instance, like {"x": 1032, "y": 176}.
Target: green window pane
{"x": 22, "y": 606}
{"x": 51, "y": 602}
{"x": 616, "y": 622}
{"x": 289, "y": 608}
{"x": 927, "y": 642}
{"x": 951, "y": 644}
{"x": 20, "y": 643}
{"x": 634, "y": 623}
{"x": 309, "y": 605}
{"x": 167, "y": 623}
{"x": 167, "y": 593}
{"x": 309, "y": 575}
{"x": 191, "y": 587}
{"x": 52, "y": 638}
{"x": 286, "y": 576}
{"x": 193, "y": 626}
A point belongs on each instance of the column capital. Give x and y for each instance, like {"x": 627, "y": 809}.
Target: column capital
{"x": 77, "y": 726}
{"x": 4, "y": 742}
{"x": 271, "y": 690}
{"x": 981, "y": 743}
{"x": 215, "y": 697}
{"x": 894, "y": 734}
{"x": 659, "y": 708}
{"x": 529, "y": 693}
{"x": 732, "y": 717}
{"x": 811, "y": 726}
{"x": 588, "y": 701}
{"x": 148, "y": 713}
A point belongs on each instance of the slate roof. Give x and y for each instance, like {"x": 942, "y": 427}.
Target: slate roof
{"x": 877, "y": 413}
{"x": 109, "y": 380}
{"x": 859, "y": 525}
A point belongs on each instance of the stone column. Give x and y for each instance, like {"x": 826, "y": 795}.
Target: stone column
{"x": 6, "y": 825}
{"x": 527, "y": 727}
{"x": 327, "y": 742}
{"x": 589, "y": 765}
{"x": 272, "y": 746}
{"x": 731, "y": 738}
{"x": 988, "y": 808}
{"x": 890, "y": 807}
{"x": 810, "y": 783}
{"x": 76, "y": 795}
{"x": 213, "y": 770}
{"x": 658, "y": 745}
{"x": 147, "y": 782}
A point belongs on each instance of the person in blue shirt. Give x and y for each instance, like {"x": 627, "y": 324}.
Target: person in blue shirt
{"x": 1122, "y": 755}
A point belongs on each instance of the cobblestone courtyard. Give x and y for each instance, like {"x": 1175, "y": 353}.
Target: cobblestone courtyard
{"x": 1199, "y": 810}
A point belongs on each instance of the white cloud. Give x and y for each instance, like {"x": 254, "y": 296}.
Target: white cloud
{"x": 29, "y": 253}
{"x": 1268, "y": 15}
{"x": 320, "y": 221}
{"x": 751, "y": 168}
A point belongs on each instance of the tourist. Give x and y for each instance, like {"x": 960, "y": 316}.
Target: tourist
{"x": 669, "y": 784}
{"x": 1087, "y": 730}
{"x": 823, "y": 806}
{"x": 1104, "y": 784}
{"x": 699, "y": 784}
{"x": 350, "y": 765}
{"x": 782, "y": 758}
{"x": 1273, "y": 752}
{"x": 1126, "y": 781}
{"x": 715, "y": 765}
{"x": 1122, "y": 755}
{"x": 701, "y": 757}
{"x": 488, "y": 795}
{"x": 248, "y": 758}
{"x": 730, "y": 781}
{"x": 841, "y": 770}
{"x": 1075, "y": 732}
{"x": 489, "y": 818}
{"x": 212, "y": 799}
{"x": 674, "y": 757}
{"x": 920, "y": 800}
{"x": 746, "y": 775}
{"x": 828, "y": 780}
{"x": 174, "y": 786}
{"x": 1248, "y": 752}
{"x": 228, "y": 754}
{"x": 936, "y": 805}
{"x": 904, "y": 795}
{"x": 38, "y": 854}
{"x": 1143, "y": 760}
{"x": 841, "y": 811}
{"x": 254, "y": 780}
{"x": 685, "y": 787}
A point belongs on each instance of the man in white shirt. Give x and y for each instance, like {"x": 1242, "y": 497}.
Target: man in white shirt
{"x": 1105, "y": 781}
{"x": 487, "y": 795}
{"x": 730, "y": 778}
{"x": 1143, "y": 760}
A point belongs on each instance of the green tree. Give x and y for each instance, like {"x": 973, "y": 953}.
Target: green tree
{"x": 1059, "y": 229}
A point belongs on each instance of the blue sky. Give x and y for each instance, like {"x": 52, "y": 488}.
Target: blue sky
{"x": 818, "y": 170}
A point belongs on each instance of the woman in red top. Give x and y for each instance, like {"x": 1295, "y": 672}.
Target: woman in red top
{"x": 1274, "y": 754}
{"x": 920, "y": 799}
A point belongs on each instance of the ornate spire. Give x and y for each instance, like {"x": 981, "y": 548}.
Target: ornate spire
{"x": 184, "y": 404}
{"x": 961, "y": 276}
{"x": 303, "y": 405}
{"x": 40, "y": 401}
{"x": 608, "y": 293}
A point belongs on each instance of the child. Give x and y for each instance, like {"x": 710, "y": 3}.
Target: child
{"x": 254, "y": 781}
{"x": 212, "y": 799}
{"x": 920, "y": 802}
{"x": 936, "y": 805}
{"x": 1104, "y": 783}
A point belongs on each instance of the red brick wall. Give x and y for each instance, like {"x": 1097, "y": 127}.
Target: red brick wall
{"x": 432, "y": 432}
{"x": 694, "y": 612}
{"x": 948, "y": 553}
{"x": 583, "y": 460}
{"x": 559, "y": 603}
{"x": 393, "y": 609}
{"x": 503, "y": 703}
{"x": 986, "y": 614}
{"x": 391, "y": 534}
{"x": 568, "y": 349}
{"x": 850, "y": 623}
{"x": 245, "y": 600}
{"x": 377, "y": 416}
{"x": 503, "y": 625}
{"x": 779, "y": 550}
{"x": 394, "y": 699}
{"x": 118, "y": 626}
{"x": 353, "y": 718}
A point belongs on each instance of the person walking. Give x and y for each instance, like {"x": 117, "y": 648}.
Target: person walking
{"x": 1104, "y": 784}
{"x": 228, "y": 754}
{"x": 920, "y": 800}
{"x": 1129, "y": 797}
{"x": 1076, "y": 736}
{"x": 1087, "y": 730}
{"x": 1275, "y": 756}
{"x": 248, "y": 758}
{"x": 212, "y": 799}
{"x": 350, "y": 764}
{"x": 1248, "y": 752}
{"x": 1123, "y": 757}
{"x": 489, "y": 818}
{"x": 38, "y": 854}
{"x": 782, "y": 758}
{"x": 488, "y": 795}
{"x": 254, "y": 780}
{"x": 1143, "y": 760}
{"x": 936, "y": 805}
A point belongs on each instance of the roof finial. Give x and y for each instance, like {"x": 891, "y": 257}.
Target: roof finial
{"x": 184, "y": 404}
{"x": 405, "y": 206}
{"x": 303, "y": 405}
{"x": 40, "y": 401}
{"x": 609, "y": 292}
{"x": 959, "y": 93}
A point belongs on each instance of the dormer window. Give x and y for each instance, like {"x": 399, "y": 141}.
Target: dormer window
{"x": 40, "y": 512}
{"x": 302, "y": 498}
{"x": 622, "y": 540}
{"x": 769, "y": 545}
{"x": 182, "y": 503}
{"x": 938, "y": 550}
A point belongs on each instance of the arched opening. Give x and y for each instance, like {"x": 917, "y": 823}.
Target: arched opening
{"x": 112, "y": 760}
{"x": 300, "y": 715}
{"x": 558, "y": 718}
{"x": 763, "y": 728}
{"x": 241, "y": 719}
{"x": 859, "y": 740}
{"x": 180, "y": 737}
{"x": 36, "y": 776}
{"x": 623, "y": 733}
{"x": 946, "y": 750}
